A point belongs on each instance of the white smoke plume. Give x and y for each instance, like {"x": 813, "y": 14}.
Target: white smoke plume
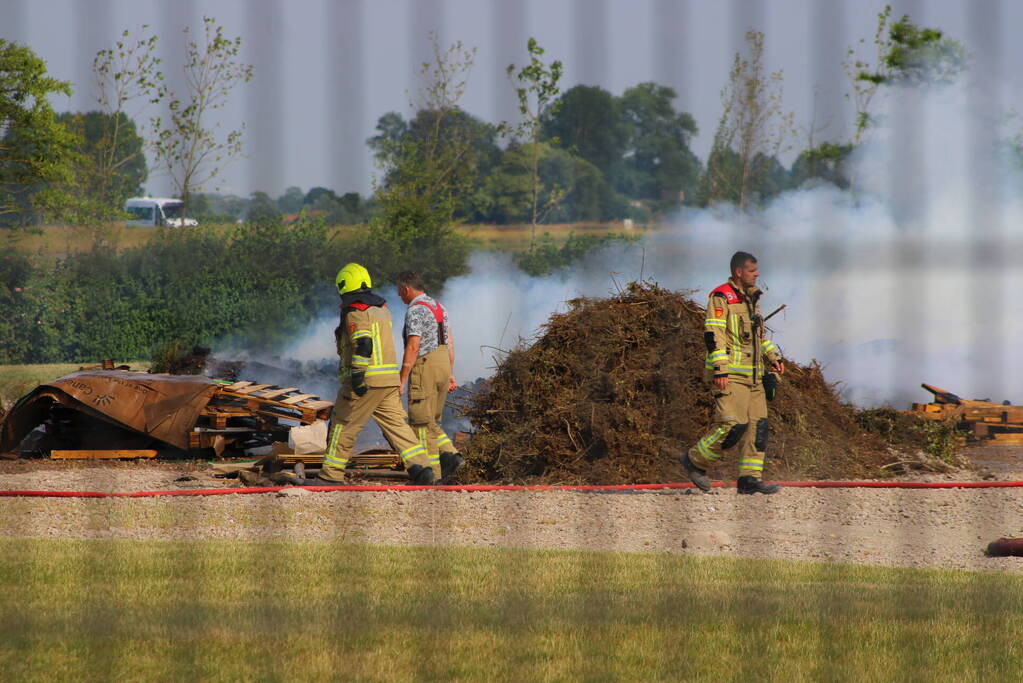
{"x": 907, "y": 279}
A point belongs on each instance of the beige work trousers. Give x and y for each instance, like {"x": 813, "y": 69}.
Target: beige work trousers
{"x": 427, "y": 393}
{"x": 351, "y": 413}
{"x": 740, "y": 421}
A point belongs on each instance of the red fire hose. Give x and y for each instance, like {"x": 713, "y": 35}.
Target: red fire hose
{"x": 476, "y": 487}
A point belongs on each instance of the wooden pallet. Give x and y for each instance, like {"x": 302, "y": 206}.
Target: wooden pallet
{"x": 103, "y": 455}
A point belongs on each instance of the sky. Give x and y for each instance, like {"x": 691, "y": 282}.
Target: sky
{"x": 325, "y": 70}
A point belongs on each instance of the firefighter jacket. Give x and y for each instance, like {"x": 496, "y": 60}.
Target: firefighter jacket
{"x": 365, "y": 341}
{"x": 737, "y": 345}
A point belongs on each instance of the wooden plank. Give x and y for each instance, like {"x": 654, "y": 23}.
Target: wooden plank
{"x": 236, "y": 386}
{"x": 317, "y": 405}
{"x": 291, "y": 400}
{"x": 274, "y": 393}
{"x": 255, "y": 387}
{"x": 103, "y": 455}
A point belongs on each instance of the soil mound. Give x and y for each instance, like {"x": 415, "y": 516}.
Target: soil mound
{"x": 613, "y": 391}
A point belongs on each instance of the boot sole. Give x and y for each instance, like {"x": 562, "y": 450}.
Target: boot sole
{"x": 688, "y": 466}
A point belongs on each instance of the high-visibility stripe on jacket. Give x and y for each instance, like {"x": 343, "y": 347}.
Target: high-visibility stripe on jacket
{"x": 734, "y": 335}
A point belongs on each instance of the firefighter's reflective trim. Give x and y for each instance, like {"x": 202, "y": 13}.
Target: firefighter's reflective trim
{"x": 411, "y": 452}
{"x": 358, "y": 334}
{"x": 715, "y": 322}
{"x": 363, "y": 361}
{"x": 733, "y": 326}
{"x": 740, "y": 369}
{"x": 331, "y": 457}
{"x": 706, "y": 444}
{"x": 751, "y": 464}
{"x": 381, "y": 369}
{"x": 717, "y": 356}
{"x": 760, "y": 439}
{"x": 767, "y": 346}
{"x": 734, "y": 434}
{"x": 442, "y": 441}
{"x": 377, "y": 348}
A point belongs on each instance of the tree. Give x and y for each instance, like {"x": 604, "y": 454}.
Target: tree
{"x": 185, "y": 144}
{"x": 752, "y": 125}
{"x": 905, "y": 55}
{"x": 36, "y": 151}
{"x": 537, "y": 91}
{"x": 111, "y": 164}
{"x": 262, "y": 208}
{"x": 426, "y": 174}
{"x": 291, "y": 200}
{"x": 587, "y": 121}
{"x": 453, "y": 126}
{"x": 115, "y": 165}
{"x": 658, "y": 163}
{"x": 824, "y": 162}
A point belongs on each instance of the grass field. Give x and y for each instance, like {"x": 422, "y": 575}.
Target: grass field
{"x": 240, "y": 611}
{"x": 57, "y": 241}
{"x": 18, "y": 380}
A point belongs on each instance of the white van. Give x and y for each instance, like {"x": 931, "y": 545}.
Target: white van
{"x": 153, "y": 211}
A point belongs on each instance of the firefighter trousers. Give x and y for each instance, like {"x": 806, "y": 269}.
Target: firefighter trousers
{"x": 427, "y": 393}
{"x": 739, "y": 423}
{"x": 351, "y": 413}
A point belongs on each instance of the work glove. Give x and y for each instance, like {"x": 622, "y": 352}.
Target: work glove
{"x": 359, "y": 386}
{"x": 770, "y": 386}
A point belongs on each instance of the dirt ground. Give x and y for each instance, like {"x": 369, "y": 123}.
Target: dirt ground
{"x": 940, "y": 528}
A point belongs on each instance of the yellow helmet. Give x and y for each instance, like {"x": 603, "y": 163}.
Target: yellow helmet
{"x": 352, "y": 277}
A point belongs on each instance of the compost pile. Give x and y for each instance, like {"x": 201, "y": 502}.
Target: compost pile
{"x": 612, "y": 391}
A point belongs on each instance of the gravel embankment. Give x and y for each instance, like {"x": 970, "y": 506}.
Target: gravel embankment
{"x": 896, "y": 527}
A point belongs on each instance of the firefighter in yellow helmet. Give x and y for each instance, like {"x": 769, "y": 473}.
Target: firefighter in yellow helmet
{"x": 739, "y": 358}
{"x": 368, "y": 372}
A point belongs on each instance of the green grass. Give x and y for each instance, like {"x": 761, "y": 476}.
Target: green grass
{"x": 18, "y": 380}
{"x": 516, "y": 237}
{"x": 302, "y": 611}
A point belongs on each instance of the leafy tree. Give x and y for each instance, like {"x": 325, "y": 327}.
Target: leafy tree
{"x": 392, "y": 129}
{"x": 537, "y": 91}
{"x": 186, "y": 145}
{"x": 262, "y": 208}
{"x": 36, "y": 151}
{"x": 549, "y": 256}
{"x": 108, "y": 182}
{"x": 114, "y": 152}
{"x": 315, "y": 194}
{"x": 905, "y": 55}
{"x": 572, "y": 188}
{"x": 291, "y": 201}
{"x": 426, "y": 174}
{"x": 587, "y": 120}
{"x": 658, "y": 162}
{"x": 825, "y": 162}
{"x": 752, "y": 126}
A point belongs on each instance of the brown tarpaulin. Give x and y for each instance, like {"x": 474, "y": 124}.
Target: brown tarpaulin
{"x": 164, "y": 407}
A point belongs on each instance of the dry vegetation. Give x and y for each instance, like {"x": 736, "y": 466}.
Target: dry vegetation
{"x": 613, "y": 390}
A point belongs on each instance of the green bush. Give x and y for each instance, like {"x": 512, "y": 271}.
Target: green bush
{"x": 545, "y": 255}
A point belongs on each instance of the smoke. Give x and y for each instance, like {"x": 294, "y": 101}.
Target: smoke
{"x": 906, "y": 279}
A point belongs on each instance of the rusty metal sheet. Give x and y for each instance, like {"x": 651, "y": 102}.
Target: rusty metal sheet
{"x": 164, "y": 407}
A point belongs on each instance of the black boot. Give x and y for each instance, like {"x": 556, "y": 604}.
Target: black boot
{"x": 450, "y": 463}
{"x": 750, "y": 484}
{"x": 695, "y": 474}
{"x": 420, "y": 476}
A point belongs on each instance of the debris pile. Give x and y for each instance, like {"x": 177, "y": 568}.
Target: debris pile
{"x": 613, "y": 391}
{"x": 96, "y": 413}
{"x": 978, "y": 421}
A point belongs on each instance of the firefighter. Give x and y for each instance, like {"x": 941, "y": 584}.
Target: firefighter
{"x": 427, "y": 371}
{"x": 369, "y": 382}
{"x": 738, "y": 356}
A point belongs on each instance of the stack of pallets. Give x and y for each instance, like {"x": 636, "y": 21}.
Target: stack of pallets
{"x": 240, "y": 408}
{"x": 981, "y": 421}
